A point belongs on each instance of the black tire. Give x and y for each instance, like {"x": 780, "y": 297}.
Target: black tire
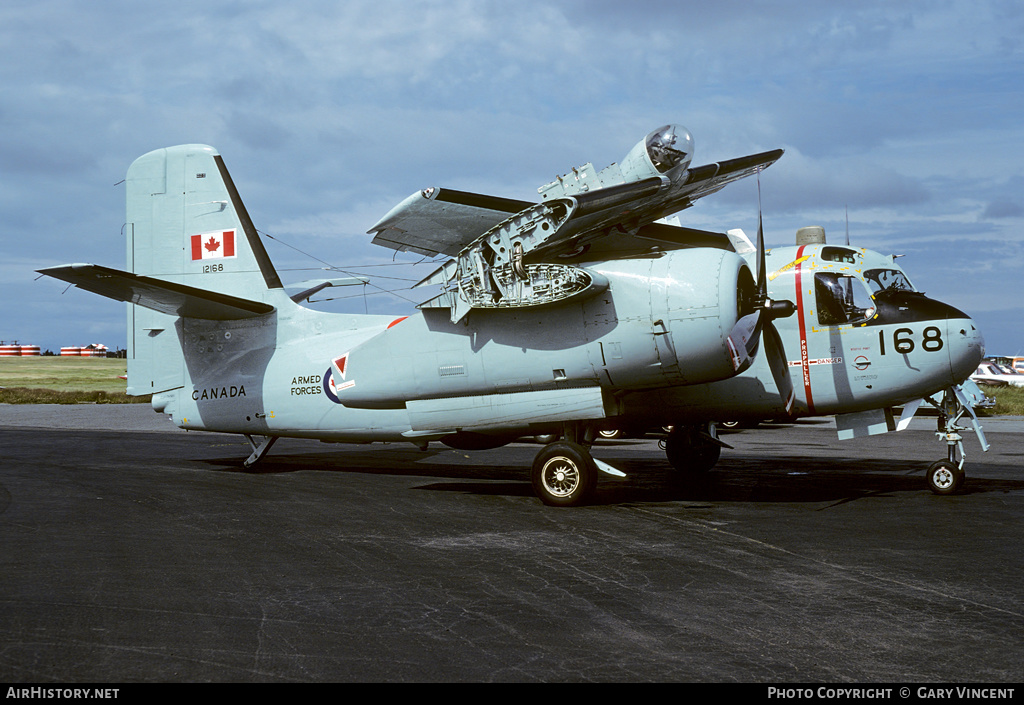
{"x": 688, "y": 452}
{"x": 563, "y": 475}
{"x": 611, "y": 434}
{"x": 945, "y": 477}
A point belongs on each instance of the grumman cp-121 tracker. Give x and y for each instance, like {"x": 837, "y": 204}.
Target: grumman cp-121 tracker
{"x": 583, "y": 311}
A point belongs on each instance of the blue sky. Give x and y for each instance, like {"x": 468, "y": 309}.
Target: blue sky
{"x": 329, "y": 113}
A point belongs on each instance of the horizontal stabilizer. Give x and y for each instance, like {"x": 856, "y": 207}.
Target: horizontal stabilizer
{"x": 157, "y": 294}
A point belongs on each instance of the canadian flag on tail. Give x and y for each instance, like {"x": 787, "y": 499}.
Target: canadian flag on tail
{"x": 216, "y": 245}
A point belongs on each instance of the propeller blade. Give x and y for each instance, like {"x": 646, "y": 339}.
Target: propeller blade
{"x": 771, "y": 310}
{"x": 743, "y": 340}
{"x": 779, "y": 365}
{"x": 762, "y": 281}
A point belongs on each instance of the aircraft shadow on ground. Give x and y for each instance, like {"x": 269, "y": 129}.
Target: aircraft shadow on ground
{"x": 776, "y": 479}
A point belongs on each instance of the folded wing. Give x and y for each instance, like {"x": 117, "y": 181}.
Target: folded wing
{"x": 509, "y": 254}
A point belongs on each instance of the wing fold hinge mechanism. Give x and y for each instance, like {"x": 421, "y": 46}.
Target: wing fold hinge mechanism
{"x": 491, "y": 272}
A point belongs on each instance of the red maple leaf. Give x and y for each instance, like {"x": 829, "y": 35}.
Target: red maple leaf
{"x": 212, "y": 244}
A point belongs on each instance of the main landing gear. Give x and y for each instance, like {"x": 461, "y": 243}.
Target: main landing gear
{"x": 693, "y": 449}
{"x": 564, "y": 473}
{"x": 947, "y": 476}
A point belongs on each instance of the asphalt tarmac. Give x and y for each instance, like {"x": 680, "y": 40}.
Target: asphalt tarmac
{"x": 136, "y": 552}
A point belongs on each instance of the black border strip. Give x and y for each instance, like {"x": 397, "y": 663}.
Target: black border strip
{"x": 262, "y": 258}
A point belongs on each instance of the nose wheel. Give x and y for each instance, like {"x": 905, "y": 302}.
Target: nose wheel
{"x": 945, "y": 477}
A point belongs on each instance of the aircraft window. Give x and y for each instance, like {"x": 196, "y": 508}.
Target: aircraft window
{"x": 669, "y": 146}
{"x": 841, "y": 299}
{"x": 887, "y": 280}
{"x": 839, "y": 254}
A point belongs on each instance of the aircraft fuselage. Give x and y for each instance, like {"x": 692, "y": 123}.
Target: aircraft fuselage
{"x": 861, "y": 338}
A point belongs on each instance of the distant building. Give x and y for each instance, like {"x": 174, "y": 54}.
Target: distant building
{"x": 16, "y": 350}
{"x": 93, "y": 350}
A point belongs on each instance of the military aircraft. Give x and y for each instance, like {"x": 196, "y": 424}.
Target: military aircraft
{"x": 583, "y": 311}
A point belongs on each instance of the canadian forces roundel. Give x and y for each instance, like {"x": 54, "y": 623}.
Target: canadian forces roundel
{"x": 329, "y": 389}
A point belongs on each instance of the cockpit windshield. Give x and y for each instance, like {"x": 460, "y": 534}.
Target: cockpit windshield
{"x": 887, "y": 280}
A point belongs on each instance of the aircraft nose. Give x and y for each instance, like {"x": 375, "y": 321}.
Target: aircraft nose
{"x": 966, "y": 348}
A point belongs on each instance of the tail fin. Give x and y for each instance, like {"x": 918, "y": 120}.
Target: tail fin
{"x": 187, "y": 224}
{"x": 193, "y": 253}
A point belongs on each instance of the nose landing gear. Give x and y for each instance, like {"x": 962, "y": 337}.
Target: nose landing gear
{"x": 947, "y": 476}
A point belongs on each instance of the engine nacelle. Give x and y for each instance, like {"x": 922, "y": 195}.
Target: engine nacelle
{"x": 666, "y": 151}
{"x": 694, "y": 299}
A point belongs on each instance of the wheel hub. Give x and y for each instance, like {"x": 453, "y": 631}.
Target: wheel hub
{"x": 561, "y": 477}
{"x": 942, "y": 478}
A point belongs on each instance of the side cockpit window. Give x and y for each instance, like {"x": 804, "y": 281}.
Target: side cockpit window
{"x": 842, "y": 299}
{"x": 887, "y": 280}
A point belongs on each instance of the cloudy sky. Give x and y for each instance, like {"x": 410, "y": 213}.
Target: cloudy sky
{"x": 328, "y": 113}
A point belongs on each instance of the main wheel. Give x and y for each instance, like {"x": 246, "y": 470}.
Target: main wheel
{"x": 563, "y": 474}
{"x": 945, "y": 477}
{"x": 688, "y": 452}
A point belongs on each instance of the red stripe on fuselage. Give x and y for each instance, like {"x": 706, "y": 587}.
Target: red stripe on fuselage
{"x": 805, "y": 365}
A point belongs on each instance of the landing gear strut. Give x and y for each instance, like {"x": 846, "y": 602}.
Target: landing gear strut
{"x": 259, "y": 449}
{"x": 947, "y": 476}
